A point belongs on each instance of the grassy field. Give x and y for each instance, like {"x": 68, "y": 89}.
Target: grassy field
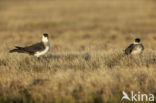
{"x": 86, "y": 62}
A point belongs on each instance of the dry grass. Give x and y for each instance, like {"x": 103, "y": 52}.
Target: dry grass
{"x": 86, "y": 62}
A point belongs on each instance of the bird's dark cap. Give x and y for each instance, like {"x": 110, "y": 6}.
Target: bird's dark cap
{"x": 45, "y": 35}
{"x": 137, "y": 40}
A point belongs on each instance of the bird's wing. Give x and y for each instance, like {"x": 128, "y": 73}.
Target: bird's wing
{"x": 142, "y": 47}
{"x": 129, "y": 49}
{"x": 35, "y": 47}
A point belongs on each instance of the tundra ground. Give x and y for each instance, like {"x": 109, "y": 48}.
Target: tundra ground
{"x": 86, "y": 63}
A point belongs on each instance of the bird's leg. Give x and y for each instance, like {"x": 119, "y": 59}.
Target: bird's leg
{"x": 38, "y": 58}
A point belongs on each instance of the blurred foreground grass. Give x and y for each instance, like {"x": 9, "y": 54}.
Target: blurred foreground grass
{"x": 86, "y": 62}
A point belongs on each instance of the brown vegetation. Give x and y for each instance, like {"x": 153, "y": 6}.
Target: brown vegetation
{"x": 86, "y": 62}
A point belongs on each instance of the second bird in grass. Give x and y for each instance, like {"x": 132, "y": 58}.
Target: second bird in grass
{"x": 135, "y": 48}
{"x": 38, "y": 49}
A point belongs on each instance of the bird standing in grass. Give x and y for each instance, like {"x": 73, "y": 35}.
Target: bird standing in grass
{"x": 135, "y": 48}
{"x": 38, "y": 49}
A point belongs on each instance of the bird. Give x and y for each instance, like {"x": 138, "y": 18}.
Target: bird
{"x": 125, "y": 96}
{"x": 135, "y": 48}
{"x": 37, "y": 50}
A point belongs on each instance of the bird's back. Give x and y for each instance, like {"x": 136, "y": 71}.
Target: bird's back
{"x": 129, "y": 49}
{"x": 35, "y": 47}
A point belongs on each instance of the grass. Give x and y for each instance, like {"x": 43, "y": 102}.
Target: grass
{"x": 86, "y": 63}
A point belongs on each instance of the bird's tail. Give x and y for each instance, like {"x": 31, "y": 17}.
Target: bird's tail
{"x": 18, "y": 49}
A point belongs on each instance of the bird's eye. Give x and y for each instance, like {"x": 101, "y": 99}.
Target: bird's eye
{"x": 45, "y": 35}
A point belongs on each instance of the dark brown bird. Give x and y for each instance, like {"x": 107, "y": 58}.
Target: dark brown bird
{"x": 135, "y": 48}
{"x": 37, "y": 49}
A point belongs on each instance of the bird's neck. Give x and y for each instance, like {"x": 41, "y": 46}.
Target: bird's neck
{"x": 137, "y": 43}
{"x": 45, "y": 41}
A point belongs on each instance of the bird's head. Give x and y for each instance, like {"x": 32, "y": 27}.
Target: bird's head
{"x": 137, "y": 41}
{"x": 45, "y": 37}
